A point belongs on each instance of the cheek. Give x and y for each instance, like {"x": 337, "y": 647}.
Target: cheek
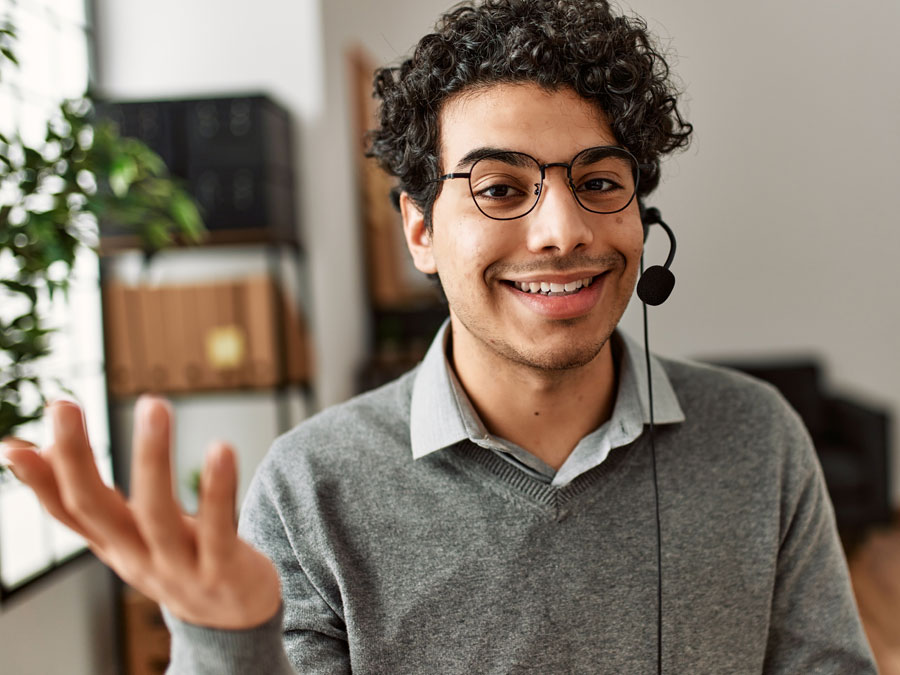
{"x": 631, "y": 243}
{"x": 630, "y": 233}
{"x": 635, "y": 249}
{"x": 464, "y": 252}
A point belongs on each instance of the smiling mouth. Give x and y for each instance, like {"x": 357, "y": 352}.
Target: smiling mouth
{"x": 552, "y": 289}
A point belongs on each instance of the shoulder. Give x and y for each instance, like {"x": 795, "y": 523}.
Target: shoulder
{"x": 747, "y": 419}
{"x": 741, "y": 449}
{"x": 361, "y": 434}
{"x": 707, "y": 390}
{"x": 376, "y": 412}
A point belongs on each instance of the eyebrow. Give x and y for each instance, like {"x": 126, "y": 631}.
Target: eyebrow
{"x": 517, "y": 158}
{"x": 596, "y": 153}
{"x": 501, "y": 154}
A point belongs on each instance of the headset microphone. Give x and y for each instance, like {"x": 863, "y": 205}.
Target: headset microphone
{"x": 657, "y": 282}
{"x": 654, "y": 288}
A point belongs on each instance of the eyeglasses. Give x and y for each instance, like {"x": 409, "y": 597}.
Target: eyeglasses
{"x": 507, "y": 185}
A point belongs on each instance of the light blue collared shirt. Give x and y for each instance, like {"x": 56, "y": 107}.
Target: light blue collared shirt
{"x": 442, "y": 415}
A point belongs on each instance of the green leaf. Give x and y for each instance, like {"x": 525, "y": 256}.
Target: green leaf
{"x": 54, "y": 286}
{"x": 30, "y": 323}
{"x": 192, "y": 482}
{"x": 122, "y": 174}
{"x": 33, "y": 159}
{"x": 158, "y": 189}
{"x": 185, "y": 213}
{"x": 152, "y": 163}
{"x": 156, "y": 233}
{"x": 24, "y": 289}
{"x": 11, "y": 418}
{"x": 9, "y": 55}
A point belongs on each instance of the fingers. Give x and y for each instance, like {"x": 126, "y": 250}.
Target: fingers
{"x": 16, "y": 451}
{"x": 216, "y": 532}
{"x": 70, "y": 452}
{"x": 33, "y": 470}
{"x": 99, "y": 511}
{"x": 157, "y": 512}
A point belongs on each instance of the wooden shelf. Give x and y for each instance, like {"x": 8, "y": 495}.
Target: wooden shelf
{"x": 114, "y": 244}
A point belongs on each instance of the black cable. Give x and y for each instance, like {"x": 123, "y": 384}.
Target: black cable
{"x": 655, "y": 496}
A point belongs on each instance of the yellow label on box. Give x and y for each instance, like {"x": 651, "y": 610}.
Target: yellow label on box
{"x": 226, "y": 347}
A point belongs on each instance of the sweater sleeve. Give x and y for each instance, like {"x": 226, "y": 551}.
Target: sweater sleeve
{"x": 198, "y": 650}
{"x": 815, "y": 625}
{"x": 307, "y": 635}
{"x": 277, "y": 522}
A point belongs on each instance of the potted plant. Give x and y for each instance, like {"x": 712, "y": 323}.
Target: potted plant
{"x": 53, "y": 195}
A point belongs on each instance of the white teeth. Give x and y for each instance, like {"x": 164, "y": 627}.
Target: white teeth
{"x": 551, "y": 287}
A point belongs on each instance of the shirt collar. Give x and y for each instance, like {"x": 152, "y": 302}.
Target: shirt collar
{"x": 666, "y": 408}
{"x": 437, "y": 421}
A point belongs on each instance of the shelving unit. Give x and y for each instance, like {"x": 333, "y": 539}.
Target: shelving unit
{"x": 235, "y": 153}
{"x": 163, "y": 318}
{"x": 214, "y": 310}
{"x": 404, "y": 309}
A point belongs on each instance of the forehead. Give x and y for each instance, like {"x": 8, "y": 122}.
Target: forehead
{"x": 551, "y": 126}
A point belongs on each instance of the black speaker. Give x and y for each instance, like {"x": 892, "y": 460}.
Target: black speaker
{"x": 241, "y": 198}
{"x": 238, "y": 132}
{"x": 155, "y": 123}
{"x": 235, "y": 153}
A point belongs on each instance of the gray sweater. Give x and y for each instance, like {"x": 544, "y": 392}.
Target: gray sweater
{"x": 459, "y": 562}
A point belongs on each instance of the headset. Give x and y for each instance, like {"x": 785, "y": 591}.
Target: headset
{"x": 654, "y": 288}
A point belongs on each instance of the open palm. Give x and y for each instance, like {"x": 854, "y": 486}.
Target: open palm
{"x": 196, "y": 566}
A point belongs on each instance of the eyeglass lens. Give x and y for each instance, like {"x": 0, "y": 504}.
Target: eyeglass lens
{"x": 508, "y": 185}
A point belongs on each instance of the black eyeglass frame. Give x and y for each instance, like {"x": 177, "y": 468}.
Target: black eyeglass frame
{"x": 540, "y": 188}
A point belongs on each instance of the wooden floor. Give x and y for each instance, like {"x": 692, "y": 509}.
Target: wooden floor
{"x": 875, "y": 572}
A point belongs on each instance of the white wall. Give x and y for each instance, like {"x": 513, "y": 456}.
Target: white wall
{"x": 63, "y": 624}
{"x": 787, "y": 238}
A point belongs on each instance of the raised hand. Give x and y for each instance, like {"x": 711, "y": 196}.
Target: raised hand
{"x": 196, "y": 566}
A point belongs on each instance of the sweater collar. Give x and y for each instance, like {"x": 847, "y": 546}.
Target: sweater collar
{"x": 437, "y": 418}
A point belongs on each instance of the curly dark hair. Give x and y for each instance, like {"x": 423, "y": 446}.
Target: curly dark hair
{"x": 581, "y": 44}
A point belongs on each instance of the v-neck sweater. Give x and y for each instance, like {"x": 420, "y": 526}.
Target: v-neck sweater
{"x": 458, "y": 562}
{"x": 442, "y": 414}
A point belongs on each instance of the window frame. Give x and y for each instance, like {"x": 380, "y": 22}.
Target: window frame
{"x": 74, "y": 368}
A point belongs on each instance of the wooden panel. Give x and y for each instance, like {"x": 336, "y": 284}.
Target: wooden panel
{"x": 147, "y": 639}
{"x": 119, "y": 356}
{"x": 202, "y": 337}
{"x": 875, "y": 572}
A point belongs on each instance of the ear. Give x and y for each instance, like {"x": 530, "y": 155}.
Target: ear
{"x": 418, "y": 241}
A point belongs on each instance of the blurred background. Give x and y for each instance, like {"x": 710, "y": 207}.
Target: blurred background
{"x": 781, "y": 208}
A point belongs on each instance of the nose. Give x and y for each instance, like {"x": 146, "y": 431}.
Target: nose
{"x": 558, "y": 224}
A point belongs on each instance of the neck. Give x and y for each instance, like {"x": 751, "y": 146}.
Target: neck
{"x": 544, "y": 412}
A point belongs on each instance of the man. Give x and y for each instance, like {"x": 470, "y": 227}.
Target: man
{"x": 494, "y": 510}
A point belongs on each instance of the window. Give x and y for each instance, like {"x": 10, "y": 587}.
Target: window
{"x": 53, "y": 47}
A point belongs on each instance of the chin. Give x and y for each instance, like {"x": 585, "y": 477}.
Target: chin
{"x": 554, "y": 358}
